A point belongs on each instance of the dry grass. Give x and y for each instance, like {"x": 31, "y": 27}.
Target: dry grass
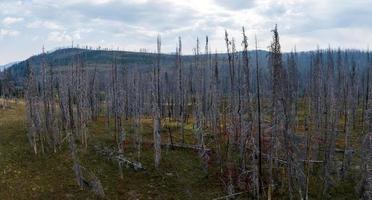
{"x": 50, "y": 176}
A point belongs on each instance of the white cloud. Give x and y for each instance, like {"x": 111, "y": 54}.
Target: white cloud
{"x": 44, "y": 24}
{"x": 134, "y": 24}
{"x": 11, "y": 20}
{"x": 97, "y": 2}
{"x": 8, "y": 33}
{"x": 59, "y": 37}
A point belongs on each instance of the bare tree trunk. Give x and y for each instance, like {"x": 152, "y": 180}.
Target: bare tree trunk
{"x": 260, "y": 182}
{"x": 157, "y": 106}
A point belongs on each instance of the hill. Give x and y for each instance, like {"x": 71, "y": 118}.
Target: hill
{"x": 103, "y": 59}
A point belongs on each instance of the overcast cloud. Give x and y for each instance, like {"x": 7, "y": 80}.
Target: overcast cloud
{"x": 27, "y": 25}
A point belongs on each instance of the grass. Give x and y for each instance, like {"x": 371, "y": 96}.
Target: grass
{"x": 50, "y": 176}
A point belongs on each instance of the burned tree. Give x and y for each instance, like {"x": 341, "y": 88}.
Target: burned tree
{"x": 157, "y": 105}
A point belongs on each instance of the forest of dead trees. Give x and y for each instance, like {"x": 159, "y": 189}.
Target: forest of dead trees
{"x": 269, "y": 127}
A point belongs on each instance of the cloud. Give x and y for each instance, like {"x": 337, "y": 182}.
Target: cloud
{"x": 236, "y": 4}
{"x": 134, "y": 24}
{"x": 8, "y": 33}
{"x": 11, "y": 20}
{"x": 59, "y": 37}
{"x": 154, "y": 15}
{"x": 44, "y": 24}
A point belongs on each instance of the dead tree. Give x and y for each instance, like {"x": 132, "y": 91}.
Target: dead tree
{"x": 45, "y": 98}
{"x": 181, "y": 91}
{"x": 115, "y": 102}
{"x": 365, "y": 184}
{"x": 215, "y": 112}
{"x": 138, "y": 110}
{"x": 277, "y": 77}
{"x": 232, "y": 108}
{"x": 350, "y": 109}
{"x": 32, "y": 108}
{"x": 82, "y": 105}
{"x": 293, "y": 83}
{"x": 259, "y": 137}
{"x": 248, "y": 149}
{"x": 366, "y": 125}
{"x": 157, "y": 105}
{"x": 93, "y": 95}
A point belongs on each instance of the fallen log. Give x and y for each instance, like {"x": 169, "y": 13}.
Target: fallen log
{"x": 129, "y": 164}
{"x": 186, "y": 146}
{"x": 114, "y": 155}
{"x": 281, "y": 161}
{"x": 229, "y": 196}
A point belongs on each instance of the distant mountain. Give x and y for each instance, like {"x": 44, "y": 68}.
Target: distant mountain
{"x": 101, "y": 58}
{"x": 104, "y": 59}
{"x": 2, "y": 67}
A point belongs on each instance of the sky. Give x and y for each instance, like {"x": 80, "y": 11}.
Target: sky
{"x": 28, "y": 25}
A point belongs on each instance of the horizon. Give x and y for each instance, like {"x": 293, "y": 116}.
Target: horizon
{"x": 4, "y": 66}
